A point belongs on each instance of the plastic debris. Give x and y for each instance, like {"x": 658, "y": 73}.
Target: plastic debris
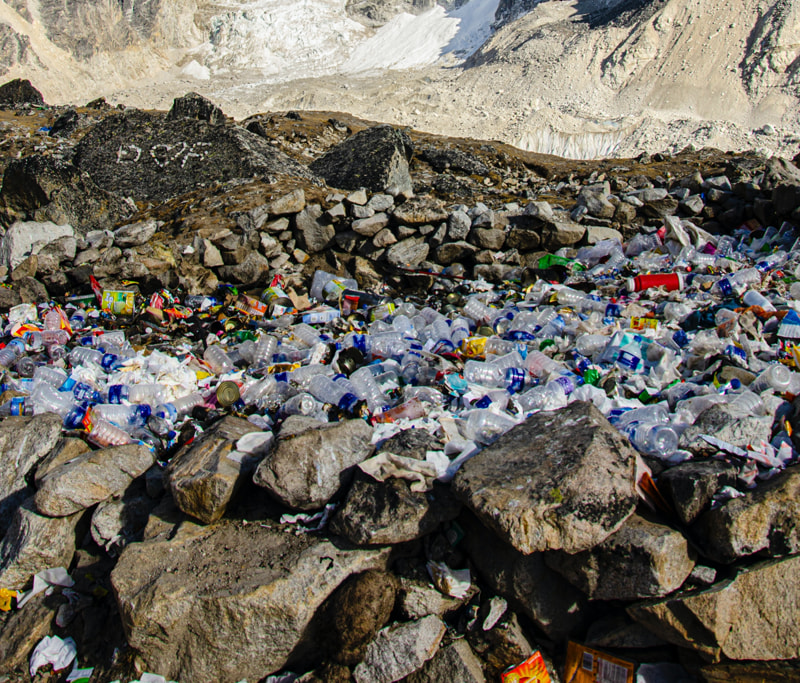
{"x": 53, "y": 651}
{"x": 46, "y": 580}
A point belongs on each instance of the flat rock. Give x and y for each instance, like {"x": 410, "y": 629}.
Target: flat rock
{"x": 455, "y": 662}
{"x": 29, "y": 237}
{"x": 24, "y": 442}
{"x": 420, "y": 210}
{"x": 371, "y": 226}
{"x": 376, "y": 159}
{"x": 690, "y": 486}
{"x": 151, "y": 157}
{"x": 408, "y": 253}
{"x": 493, "y": 238}
{"x": 252, "y": 271}
{"x": 400, "y": 650}
{"x": 554, "y": 605}
{"x": 34, "y": 543}
{"x": 21, "y": 630}
{"x": 764, "y": 520}
{"x": 746, "y": 618}
{"x": 640, "y": 560}
{"x": 66, "y": 449}
{"x": 135, "y": 234}
{"x": 253, "y": 589}
{"x": 723, "y": 423}
{"x": 91, "y": 478}
{"x": 418, "y": 599}
{"x": 205, "y": 474}
{"x": 560, "y": 480}
{"x": 316, "y": 235}
{"x": 390, "y": 512}
{"x": 453, "y": 252}
{"x": 306, "y": 470}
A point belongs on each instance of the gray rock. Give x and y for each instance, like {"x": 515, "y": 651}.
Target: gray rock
{"x": 619, "y": 631}
{"x": 452, "y": 252}
{"x": 725, "y": 424}
{"x": 384, "y": 238}
{"x": 134, "y": 234}
{"x": 205, "y": 474}
{"x": 640, "y": 560}
{"x": 121, "y": 520}
{"x": 254, "y": 608}
{"x": 523, "y": 238}
{"x": 369, "y": 227}
{"x": 375, "y": 159}
{"x": 290, "y": 203}
{"x": 25, "y": 238}
{"x": 254, "y": 270}
{"x": 745, "y": 618}
{"x": 555, "y": 606}
{"x": 22, "y": 631}
{"x": 419, "y": 599}
{"x": 400, "y": 650}
{"x": 764, "y": 520}
{"x": 358, "y": 212}
{"x": 270, "y": 247}
{"x": 389, "y": 512}
{"x": 194, "y": 106}
{"x": 489, "y": 239}
{"x": 597, "y": 233}
{"x": 562, "y": 479}
{"x": 66, "y": 449}
{"x": 690, "y": 486}
{"x": 380, "y": 202}
{"x": 306, "y": 470}
{"x": 597, "y": 204}
{"x": 60, "y": 249}
{"x": 458, "y": 225}
{"x": 91, "y": 478}
{"x": 409, "y": 253}
{"x": 411, "y": 443}
{"x": 24, "y": 442}
{"x": 420, "y": 210}
{"x": 455, "y": 662}
{"x": 20, "y": 91}
{"x": 562, "y": 233}
{"x": 34, "y": 543}
{"x": 692, "y": 205}
{"x": 317, "y": 236}
{"x": 358, "y": 198}
{"x": 503, "y": 647}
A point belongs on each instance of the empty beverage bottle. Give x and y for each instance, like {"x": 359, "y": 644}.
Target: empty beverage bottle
{"x": 217, "y": 359}
{"x": 486, "y": 426}
{"x": 17, "y": 406}
{"x": 367, "y": 389}
{"x": 150, "y": 393}
{"x": 265, "y": 349}
{"x": 9, "y": 354}
{"x": 301, "y": 404}
{"x": 180, "y": 407}
{"x": 84, "y": 356}
{"x": 659, "y": 440}
{"x": 104, "y": 434}
{"x": 47, "y": 399}
{"x": 777, "y": 377}
{"x": 126, "y": 417}
{"x": 326, "y": 390}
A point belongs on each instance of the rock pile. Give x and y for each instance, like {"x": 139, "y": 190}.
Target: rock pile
{"x": 250, "y": 548}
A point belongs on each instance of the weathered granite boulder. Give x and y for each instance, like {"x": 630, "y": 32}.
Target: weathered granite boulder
{"x": 121, "y": 519}
{"x": 29, "y": 237}
{"x": 22, "y": 630}
{"x": 764, "y": 520}
{"x": 90, "y": 478}
{"x": 690, "y": 486}
{"x": 454, "y": 662}
{"x": 749, "y": 617}
{"x": 376, "y": 159}
{"x": 306, "y": 470}
{"x": 562, "y": 479}
{"x": 34, "y": 543}
{"x": 150, "y": 157}
{"x": 724, "y": 423}
{"x": 640, "y": 560}
{"x": 390, "y": 512}
{"x": 24, "y": 442}
{"x": 206, "y": 473}
{"x": 399, "y": 650}
{"x": 254, "y": 590}
{"x": 39, "y": 188}
{"x": 18, "y": 92}
{"x": 316, "y": 234}
{"x": 542, "y": 594}
{"x": 194, "y": 106}
{"x": 420, "y": 210}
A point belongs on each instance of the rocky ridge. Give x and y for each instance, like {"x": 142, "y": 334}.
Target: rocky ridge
{"x": 185, "y": 568}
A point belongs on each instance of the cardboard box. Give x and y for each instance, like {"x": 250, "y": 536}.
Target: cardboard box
{"x": 585, "y": 665}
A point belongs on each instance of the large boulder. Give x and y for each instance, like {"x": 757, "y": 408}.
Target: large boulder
{"x": 24, "y": 442}
{"x": 542, "y": 594}
{"x": 561, "y": 480}
{"x": 34, "y": 543}
{"x": 91, "y": 478}
{"x": 205, "y": 474}
{"x": 29, "y": 237}
{"x": 749, "y": 617}
{"x": 376, "y": 159}
{"x": 150, "y": 157}
{"x": 764, "y": 520}
{"x": 39, "y": 188}
{"x": 227, "y": 601}
{"x": 641, "y": 560}
{"x": 305, "y": 470}
{"x": 18, "y": 92}
{"x": 194, "y": 106}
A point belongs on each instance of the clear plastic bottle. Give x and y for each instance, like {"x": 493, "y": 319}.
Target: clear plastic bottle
{"x": 305, "y": 334}
{"x": 777, "y": 377}
{"x": 753, "y": 298}
{"x": 110, "y": 339}
{"x": 479, "y": 311}
{"x": 485, "y": 426}
{"x": 367, "y": 389}
{"x": 541, "y": 365}
{"x": 255, "y": 391}
{"x": 326, "y": 390}
{"x": 549, "y": 396}
{"x": 104, "y": 434}
{"x": 77, "y": 320}
{"x": 737, "y": 282}
{"x": 50, "y": 337}
{"x": 17, "y": 406}
{"x": 746, "y": 403}
{"x": 300, "y": 404}
{"x": 56, "y": 352}
{"x": 654, "y": 439}
{"x": 328, "y": 287}
{"x": 771, "y": 261}
{"x": 176, "y": 409}
{"x": 266, "y": 346}
{"x": 9, "y": 354}
{"x": 217, "y": 359}
{"x": 126, "y": 417}
{"x": 47, "y": 399}
{"x": 25, "y": 366}
{"x": 47, "y": 374}
{"x": 305, "y": 373}
{"x": 590, "y": 344}
{"x": 410, "y": 410}
{"x": 152, "y": 394}
{"x": 83, "y": 356}
{"x": 485, "y": 374}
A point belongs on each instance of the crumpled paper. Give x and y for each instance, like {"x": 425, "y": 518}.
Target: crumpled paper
{"x": 52, "y": 650}
{"x": 44, "y": 580}
{"x": 420, "y": 473}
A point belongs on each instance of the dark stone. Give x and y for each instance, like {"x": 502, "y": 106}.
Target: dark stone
{"x": 149, "y": 157}
{"x": 20, "y": 91}
{"x": 194, "y": 106}
{"x": 376, "y": 158}
{"x": 690, "y": 486}
{"x": 411, "y": 443}
{"x": 42, "y": 188}
{"x": 454, "y": 160}
{"x": 65, "y": 124}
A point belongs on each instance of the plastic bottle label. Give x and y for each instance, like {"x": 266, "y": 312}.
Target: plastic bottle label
{"x": 17, "y": 406}
{"x": 628, "y": 360}
{"x": 566, "y": 383}
{"x": 515, "y": 380}
{"x": 725, "y": 286}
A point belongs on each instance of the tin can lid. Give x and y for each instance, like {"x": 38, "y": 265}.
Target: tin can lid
{"x": 227, "y": 393}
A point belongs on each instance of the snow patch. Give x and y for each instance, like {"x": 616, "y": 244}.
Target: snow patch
{"x": 197, "y": 71}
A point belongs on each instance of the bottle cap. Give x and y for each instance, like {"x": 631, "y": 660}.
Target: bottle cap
{"x": 227, "y": 393}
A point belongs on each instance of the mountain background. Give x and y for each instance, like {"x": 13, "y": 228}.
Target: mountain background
{"x": 578, "y": 78}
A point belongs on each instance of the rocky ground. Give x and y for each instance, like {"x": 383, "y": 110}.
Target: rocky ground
{"x": 188, "y": 563}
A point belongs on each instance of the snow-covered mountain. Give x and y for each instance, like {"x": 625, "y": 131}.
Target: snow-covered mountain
{"x": 574, "y": 77}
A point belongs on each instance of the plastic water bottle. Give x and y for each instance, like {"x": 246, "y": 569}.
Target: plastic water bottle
{"x": 47, "y": 399}
{"x": 217, "y": 359}
{"x": 13, "y": 350}
{"x": 17, "y": 406}
{"x": 326, "y": 390}
{"x": 549, "y": 396}
{"x": 104, "y": 434}
{"x": 485, "y": 374}
{"x": 777, "y": 377}
{"x": 84, "y": 356}
{"x": 654, "y": 439}
{"x": 367, "y": 389}
{"x": 540, "y": 365}
{"x": 479, "y": 311}
{"x": 300, "y": 404}
{"x": 47, "y": 374}
{"x": 738, "y": 281}
{"x": 747, "y": 403}
{"x": 259, "y": 390}
{"x": 306, "y": 334}
{"x": 125, "y": 417}
{"x": 485, "y": 426}
{"x": 590, "y": 344}
{"x": 176, "y": 409}
{"x": 410, "y": 410}
{"x": 266, "y": 346}
{"x": 771, "y": 261}
{"x": 77, "y": 321}
{"x": 151, "y": 394}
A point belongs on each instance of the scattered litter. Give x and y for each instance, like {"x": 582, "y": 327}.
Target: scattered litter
{"x": 46, "y": 580}
{"x": 54, "y": 651}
